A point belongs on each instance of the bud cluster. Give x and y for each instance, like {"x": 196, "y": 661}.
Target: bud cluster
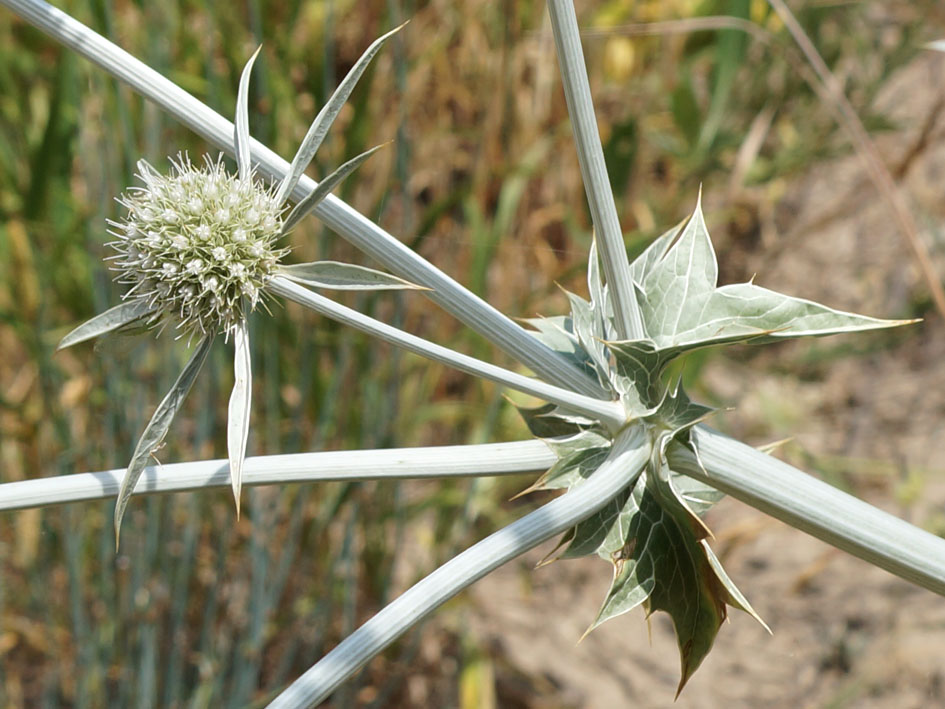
{"x": 199, "y": 245}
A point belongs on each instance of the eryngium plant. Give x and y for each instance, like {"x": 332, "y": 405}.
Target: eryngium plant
{"x": 629, "y": 447}
{"x": 199, "y": 248}
{"x": 653, "y": 532}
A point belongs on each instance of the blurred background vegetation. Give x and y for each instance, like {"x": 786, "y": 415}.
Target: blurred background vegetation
{"x": 202, "y": 610}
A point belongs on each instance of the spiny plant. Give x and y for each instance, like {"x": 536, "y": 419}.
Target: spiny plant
{"x": 653, "y": 531}
{"x": 627, "y": 443}
{"x": 199, "y": 249}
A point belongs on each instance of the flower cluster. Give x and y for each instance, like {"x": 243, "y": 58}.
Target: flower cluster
{"x": 198, "y": 245}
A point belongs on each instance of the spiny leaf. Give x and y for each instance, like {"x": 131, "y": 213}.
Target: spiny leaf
{"x": 698, "y": 496}
{"x": 157, "y": 427}
{"x": 324, "y": 188}
{"x": 677, "y": 413}
{"x": 544, "y": 422}
{"x": 591, "y": 333}
{"x": 663, "y": 565}
{"x": 604, "y": 532}
{"x": 241, "y": 124}
{"x": 319, "y": 128}
{"x": 344, "y": 276}
{"x": 653, "y": 253}
{"x": 557, "y": 332}
{"x": 581, "y": 441}
{"x": 638, "y": 365}
{"x": 109, "y": 321}
{"x": 684, "y": 310}
{"x": 237, "y": 431}
{"x": 571, "y": 468}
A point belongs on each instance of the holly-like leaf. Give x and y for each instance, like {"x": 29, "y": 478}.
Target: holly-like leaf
{"x": 637, "y": 368}
{"x": 591, "y": 333}
{"x": 677, "y": 413}
{"x": 584, "y": 440}
{"x": 665, "y": 566}
{"x": 683, "y": 309}
{"x": 603, "y": 533}
{"x": 696, "y": 495}
{"x": 653, "y": 253}
{"x": 572, "y": 467}
{"x": 557, "y": 332}
{"x": 546, "y": 422}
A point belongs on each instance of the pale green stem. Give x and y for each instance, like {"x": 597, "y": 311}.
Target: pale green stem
{"x": 609, "y": 413}
{"x": 338, "y": 216}
{"x": 600, "y": 196}
{"x": 627, "y": 458}
{"x": 815, "y": 507}
{"x": 326, "y": 466}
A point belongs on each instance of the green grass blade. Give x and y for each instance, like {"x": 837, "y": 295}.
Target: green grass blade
{"x": 237, "y": 429}
{"x": 319, "y": 128}
{"x": 157, "y": 427}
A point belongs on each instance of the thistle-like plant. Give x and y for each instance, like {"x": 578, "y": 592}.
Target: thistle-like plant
{"x": 626, "y": 444}
{"x": 199, "y": 249}
{"x": 652, "y": 531}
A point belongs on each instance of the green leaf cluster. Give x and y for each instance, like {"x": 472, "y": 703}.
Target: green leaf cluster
{"x": 653, "y": 532}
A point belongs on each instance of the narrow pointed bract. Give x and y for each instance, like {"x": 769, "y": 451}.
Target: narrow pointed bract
{"x": 109, "y": 321}
{"x": 237, "y": 430}
{"x": 344, "y": 276}
{"x": 324, "y": 188}
{"x": 319, "y": 128}
{"x": 156, "y": 429}
{"x": 241, "y": 124}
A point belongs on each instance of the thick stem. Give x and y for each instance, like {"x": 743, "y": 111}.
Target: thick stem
{"x": 600, "y": 196}
{"x": 815, "y": 507}
{"x": 327, "y": 466}
{"x": 627, "y": 458}
{"x": 609, "y": 413}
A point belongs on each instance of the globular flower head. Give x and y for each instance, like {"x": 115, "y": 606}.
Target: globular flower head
{"x": 198, "y": 245}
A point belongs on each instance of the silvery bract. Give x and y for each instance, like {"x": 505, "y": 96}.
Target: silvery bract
{"x": 199, "y": 248}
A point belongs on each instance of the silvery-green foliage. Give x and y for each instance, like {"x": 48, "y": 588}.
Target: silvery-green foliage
{"x": 199, "y": 248}
{"x": 653, "y": 532}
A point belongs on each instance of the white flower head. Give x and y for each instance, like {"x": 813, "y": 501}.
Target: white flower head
{"x": 197, "y": 248}
{"x": 213, "y": 244}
